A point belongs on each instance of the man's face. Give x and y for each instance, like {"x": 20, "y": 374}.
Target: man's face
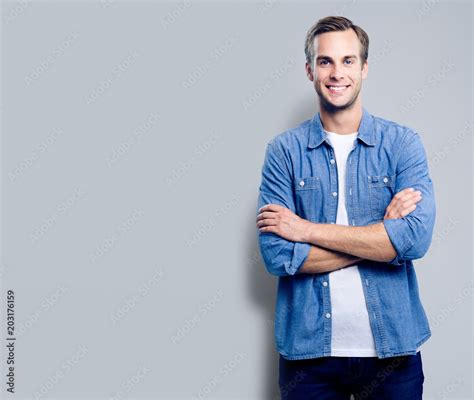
{"x": 337, "y": 69}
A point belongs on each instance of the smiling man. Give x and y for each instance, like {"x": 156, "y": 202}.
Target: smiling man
{"x": 345, "y": 205}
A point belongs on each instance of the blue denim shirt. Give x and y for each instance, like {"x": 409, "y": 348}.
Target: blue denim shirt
{"x": 385, "y": 159}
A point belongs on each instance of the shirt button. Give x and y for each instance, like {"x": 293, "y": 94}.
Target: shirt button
{"x": 385, "y": 179}
{"x": 325, "y": 283}
{"x": 301, "y": 183}
{"x": 328, "y": 315}
{"x": 332, "y": 161}
{"x": 334, "y": 194}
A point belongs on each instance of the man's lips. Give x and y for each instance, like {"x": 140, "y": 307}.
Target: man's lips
{"x": 337, "y": 88}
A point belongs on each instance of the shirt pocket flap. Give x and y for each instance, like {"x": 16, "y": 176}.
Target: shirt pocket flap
{"x": 305, "y": 183}
{"x": 382, "y": 180}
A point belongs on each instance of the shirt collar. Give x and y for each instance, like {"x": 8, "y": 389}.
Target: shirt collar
{"x": 366, "y": 130}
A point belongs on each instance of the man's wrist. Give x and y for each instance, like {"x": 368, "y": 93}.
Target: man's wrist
{"x": 309, "y": 232}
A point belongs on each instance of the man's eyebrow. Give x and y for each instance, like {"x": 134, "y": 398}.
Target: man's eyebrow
{"x": 323, "y": 57}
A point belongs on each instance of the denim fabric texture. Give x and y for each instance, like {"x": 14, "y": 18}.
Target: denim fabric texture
{"x": 299, "y": 172}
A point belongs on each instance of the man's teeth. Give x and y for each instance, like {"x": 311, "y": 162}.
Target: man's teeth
{"x": 337, "y": 88}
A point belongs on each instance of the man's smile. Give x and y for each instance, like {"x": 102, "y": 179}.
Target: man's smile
{"x": 336, "y": 89}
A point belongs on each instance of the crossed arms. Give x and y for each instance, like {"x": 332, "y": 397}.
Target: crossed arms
{"x": 290, "y": 244}
{"x": 337, "y": 246}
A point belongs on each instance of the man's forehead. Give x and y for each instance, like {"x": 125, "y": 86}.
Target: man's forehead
{"x": 336, "y": 44}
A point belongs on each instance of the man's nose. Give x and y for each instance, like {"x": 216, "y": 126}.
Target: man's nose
{"x": 336, "y": 72}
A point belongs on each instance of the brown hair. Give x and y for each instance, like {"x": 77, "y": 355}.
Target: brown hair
{"x": 332, "y": 24}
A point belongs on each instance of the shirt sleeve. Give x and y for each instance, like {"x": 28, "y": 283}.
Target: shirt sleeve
{"x": 411, "y": 235}
{"x": 281, "y": 257}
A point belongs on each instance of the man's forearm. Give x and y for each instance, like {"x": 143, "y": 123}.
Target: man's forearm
{"x": 369, "y": 242}
{"x": 324, "y": 260}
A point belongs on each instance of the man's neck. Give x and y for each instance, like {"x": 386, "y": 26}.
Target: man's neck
{"x": 343, "y": 122}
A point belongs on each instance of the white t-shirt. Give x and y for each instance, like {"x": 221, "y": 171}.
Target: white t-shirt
{"x": 351, "y": 332}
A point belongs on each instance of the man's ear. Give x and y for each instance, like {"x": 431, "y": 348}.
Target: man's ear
{"x": 365, "y": 69}
{"x": 309, "y": 72}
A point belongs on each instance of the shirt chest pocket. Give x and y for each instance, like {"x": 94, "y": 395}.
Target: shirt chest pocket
{"x": 381, "y": 192}
{"x": 309, "y": 198}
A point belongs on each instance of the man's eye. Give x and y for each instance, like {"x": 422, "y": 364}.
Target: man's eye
{"x": 323, "y": 62}
{"x": 349, "y": 62}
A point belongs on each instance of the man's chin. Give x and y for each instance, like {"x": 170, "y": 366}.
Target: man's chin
{"x": 327, "y": 103}
{"x": 331, "y": 107}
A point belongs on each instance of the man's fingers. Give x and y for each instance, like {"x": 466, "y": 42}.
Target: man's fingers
{"x": 270, "y": 207}
{"x": 403, "y": 192}
{"x": 403, "y": 203}
{"x": 402, "y": 197}
{"x": 406, "y": 200}
{"x": 267, "y": 222}
{"x": 408, "y": 210}
{"x": 410, "y": 196}
{"x": 265, "y": 214}
{"x": 409, "y": 202}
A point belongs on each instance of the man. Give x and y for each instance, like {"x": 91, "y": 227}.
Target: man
{"x": 345, "y": 205}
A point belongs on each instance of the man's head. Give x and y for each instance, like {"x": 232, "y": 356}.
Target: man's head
{"x": 336, "y": 61}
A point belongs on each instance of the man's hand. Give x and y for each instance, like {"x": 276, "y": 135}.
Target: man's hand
{"x": 403, "y": 203}
{"x": 282, "y": 221}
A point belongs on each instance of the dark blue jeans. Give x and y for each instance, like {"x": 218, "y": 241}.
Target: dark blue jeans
{"x": 367, "y": 378}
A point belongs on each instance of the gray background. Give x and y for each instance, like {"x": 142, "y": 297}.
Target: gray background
{"x": 133, "y": 135}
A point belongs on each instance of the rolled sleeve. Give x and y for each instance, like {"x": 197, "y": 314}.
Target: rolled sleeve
{"x": 281, "y": 257}
{"x": 411, "y": 235}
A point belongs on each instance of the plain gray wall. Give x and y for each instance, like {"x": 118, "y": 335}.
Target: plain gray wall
{"x": 133, "y": 136}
